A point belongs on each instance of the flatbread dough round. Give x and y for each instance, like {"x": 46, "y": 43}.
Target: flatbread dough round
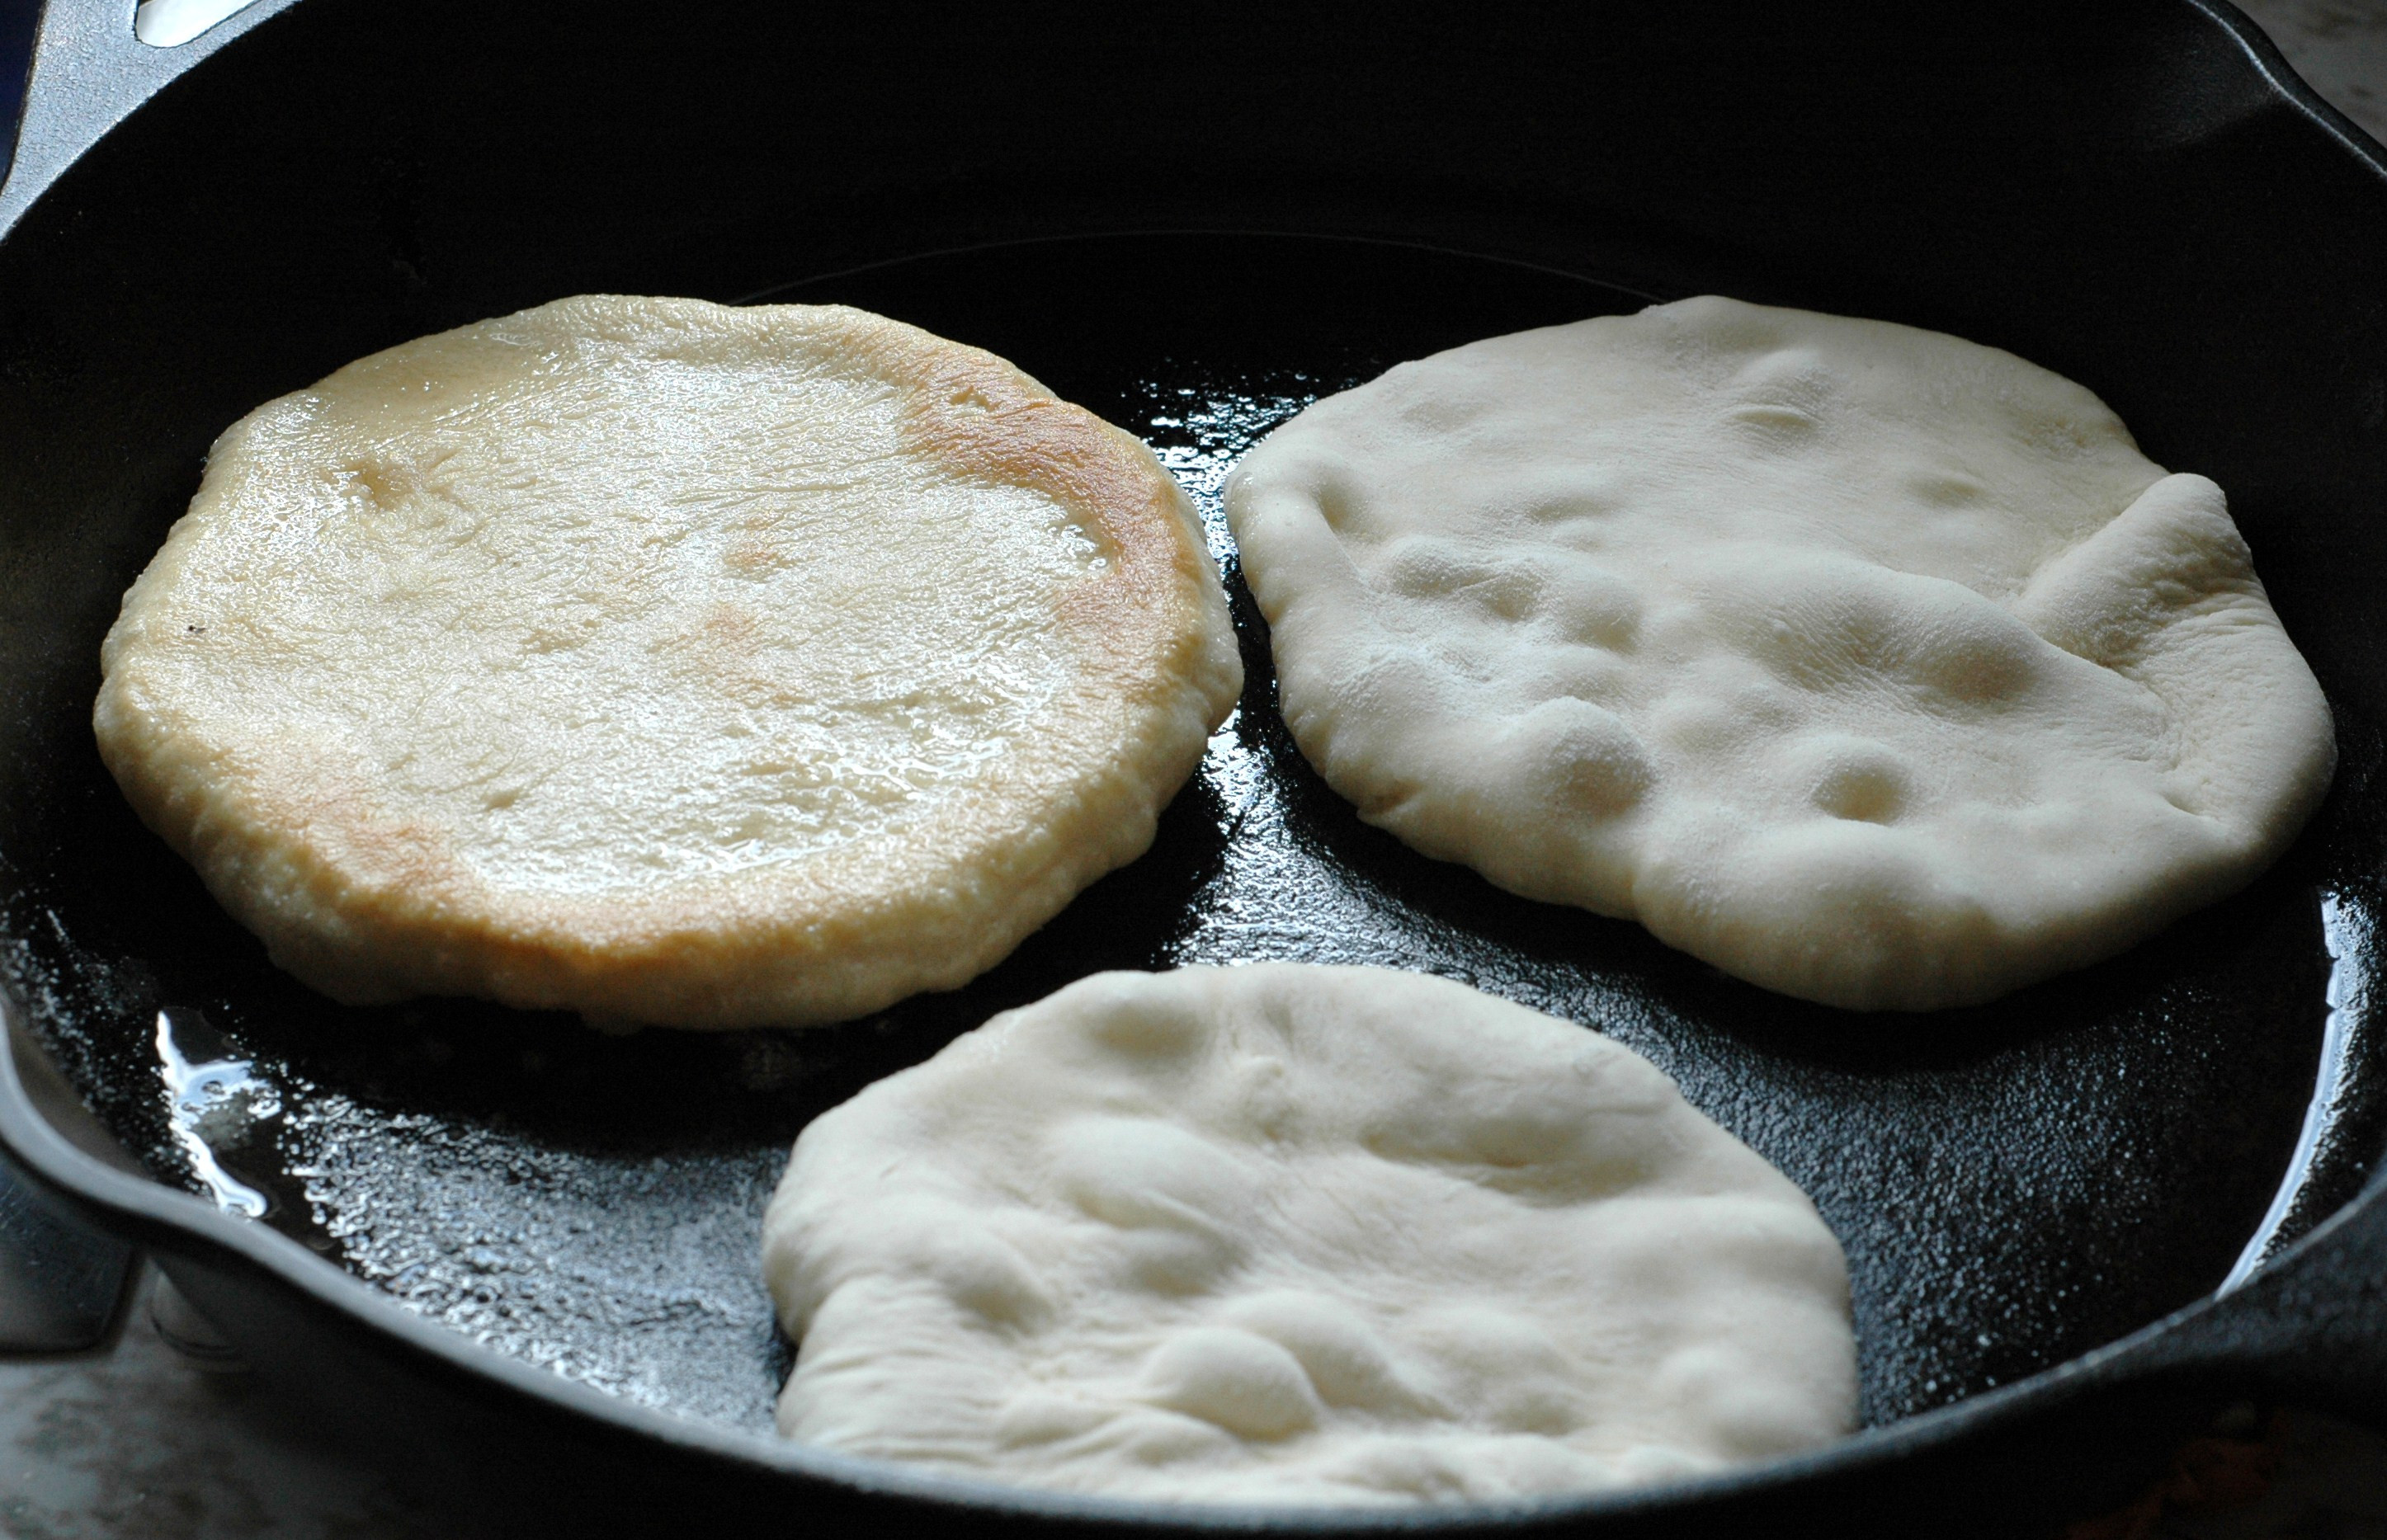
{"x": 1866, "y": 663}
{"x": 668, "y": 662}
{"x": 1289, "y": 1233}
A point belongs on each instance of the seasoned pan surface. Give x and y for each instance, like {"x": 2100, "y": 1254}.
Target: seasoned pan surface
{"x": 2013, "y": 1184}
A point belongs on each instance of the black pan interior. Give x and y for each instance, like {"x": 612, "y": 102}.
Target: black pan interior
{"x": 2013, "y": 1184}
{"x": 2104, "y": 191}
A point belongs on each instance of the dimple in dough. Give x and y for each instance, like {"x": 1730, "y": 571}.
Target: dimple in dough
{"x": 668, "y": 662}
{"x": 1286, "y": 1233}
{"x": 1865, "y": 663}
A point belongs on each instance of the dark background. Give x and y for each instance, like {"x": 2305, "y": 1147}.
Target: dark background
{"x": 16, "y": 57}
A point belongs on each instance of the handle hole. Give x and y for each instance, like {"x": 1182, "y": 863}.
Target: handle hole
{"x": 171, "y": 23}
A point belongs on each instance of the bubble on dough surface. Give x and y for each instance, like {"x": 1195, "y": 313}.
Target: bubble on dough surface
{"x": 1915, "y": 682}
{"x": 1300, "y": 1234}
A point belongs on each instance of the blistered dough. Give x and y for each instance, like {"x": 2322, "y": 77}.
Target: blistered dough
{"x": 666, "y": 661}
{"x": 1289, "y": 1233}
{"x": 1867, "y": 663}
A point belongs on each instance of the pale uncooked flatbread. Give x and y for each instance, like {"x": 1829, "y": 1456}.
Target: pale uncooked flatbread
{"x": 1286, "y": 1233}
{"x": 1866, "y": 663}
{"x": 667, "y": 662}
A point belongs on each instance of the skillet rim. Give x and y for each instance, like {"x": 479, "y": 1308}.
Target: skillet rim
{"x": 176, "y": 1222}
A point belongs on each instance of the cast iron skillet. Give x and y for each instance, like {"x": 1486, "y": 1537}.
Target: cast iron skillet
{"x": 509, "y": 1248}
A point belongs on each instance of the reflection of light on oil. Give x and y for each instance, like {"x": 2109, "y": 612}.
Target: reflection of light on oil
{"x": 209, "y": 1093}
{"x": 2350, "y": 935}
{"x": 1201, "y": 436}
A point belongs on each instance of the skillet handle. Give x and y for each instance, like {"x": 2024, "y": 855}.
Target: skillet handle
{"x": 90, "y": 71}
{"x": 63, "y": 1286}
{"x": 64, "y": 1283}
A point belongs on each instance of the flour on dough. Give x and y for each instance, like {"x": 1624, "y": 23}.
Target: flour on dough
{"x": 665, "y": 661}
{"x": 1867, "y": 663}
{"x": 1296, "y": 1234}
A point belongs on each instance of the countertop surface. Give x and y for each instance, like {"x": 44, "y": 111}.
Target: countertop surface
{"x": 150, "y": 1438}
